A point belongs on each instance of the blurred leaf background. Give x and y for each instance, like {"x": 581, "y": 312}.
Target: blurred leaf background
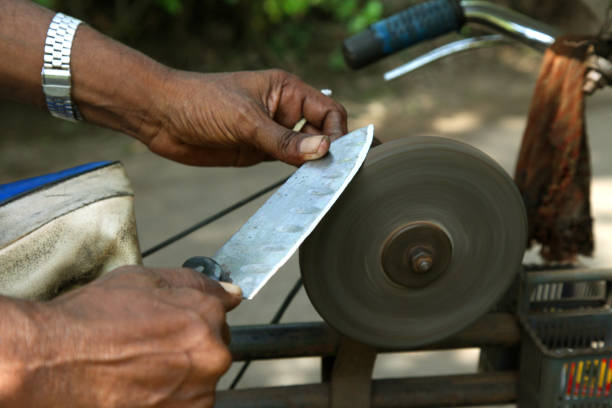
{"x": 298, "y": 35}
{"x": 225, "y": 34}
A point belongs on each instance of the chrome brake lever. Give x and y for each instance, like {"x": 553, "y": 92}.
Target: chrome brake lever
{"x": 444, "y": 51}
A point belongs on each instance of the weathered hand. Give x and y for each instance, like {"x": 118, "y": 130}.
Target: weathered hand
{"x": 242, "y": 118}
{"x": 137, "y": 337}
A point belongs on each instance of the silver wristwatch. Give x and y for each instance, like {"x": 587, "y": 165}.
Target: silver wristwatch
{"x": 56, "y": 67}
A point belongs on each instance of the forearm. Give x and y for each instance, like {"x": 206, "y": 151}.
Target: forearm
{"x": 112, "y": 84}
{"x": 116, "y": 86}
{"x": 20, "y": 347}
{"x": 23, "y": 27}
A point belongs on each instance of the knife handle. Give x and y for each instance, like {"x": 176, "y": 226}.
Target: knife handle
{"x": 209, "y": 267}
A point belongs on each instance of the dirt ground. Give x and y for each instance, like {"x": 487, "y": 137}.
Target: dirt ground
{"x": 480, "y": 98}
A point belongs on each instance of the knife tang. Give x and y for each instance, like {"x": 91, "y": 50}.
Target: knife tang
{"x": 208, "y": 267}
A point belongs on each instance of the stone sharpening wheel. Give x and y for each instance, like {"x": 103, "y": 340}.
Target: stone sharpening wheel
{"x": 426, "y": 239}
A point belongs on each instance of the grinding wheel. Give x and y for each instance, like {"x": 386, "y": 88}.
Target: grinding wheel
{"x": 427, "y": 237}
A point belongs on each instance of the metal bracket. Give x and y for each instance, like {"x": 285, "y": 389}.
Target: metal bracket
{"x": 351, "y": 376}
{"x": 599, "y": 72}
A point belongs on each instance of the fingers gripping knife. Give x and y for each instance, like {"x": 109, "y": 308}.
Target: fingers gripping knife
{"x": 269, "y": 238}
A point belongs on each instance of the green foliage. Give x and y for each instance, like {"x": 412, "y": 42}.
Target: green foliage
{"x": 358, "y": 14}
{"x": 172, "y": 7}
{"x": 291, "y": 26}
{"x": 371, "y": 12}
{"x": 46, "y": 3}
{"x": 277, "y": 29}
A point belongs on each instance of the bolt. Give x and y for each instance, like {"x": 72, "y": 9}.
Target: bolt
{"x": 424, "y": 265}
{"x": 422, "y": 260}
{"x": 594, "y": 80}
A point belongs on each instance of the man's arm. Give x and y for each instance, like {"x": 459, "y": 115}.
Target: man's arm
{"x": 110, "y": 81}
{"x": 23, "y": 27}
{"x": 199, "y": 119}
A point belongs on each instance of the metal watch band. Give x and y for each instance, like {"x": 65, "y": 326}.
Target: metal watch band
{"x": 56, "y": 79}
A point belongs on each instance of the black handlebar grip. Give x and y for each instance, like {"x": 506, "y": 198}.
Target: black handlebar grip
{"x": 408, "y": 27}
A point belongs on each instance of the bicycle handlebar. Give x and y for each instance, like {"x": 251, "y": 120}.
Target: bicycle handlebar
{"x": 437, "y": 17}
{"x": 502, "y": 20}
{"x": 408, "y": 27}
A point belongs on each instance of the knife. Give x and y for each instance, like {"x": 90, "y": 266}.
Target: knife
{"x": 268, "y": 239}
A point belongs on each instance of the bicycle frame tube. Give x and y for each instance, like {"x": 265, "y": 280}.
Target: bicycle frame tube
{"x": 456, "y": 47}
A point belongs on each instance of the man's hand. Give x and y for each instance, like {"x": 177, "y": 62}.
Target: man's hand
{"x": 242, "y": 118}
{"x": 227, "y": 119}
{"x": 137, "y": 337}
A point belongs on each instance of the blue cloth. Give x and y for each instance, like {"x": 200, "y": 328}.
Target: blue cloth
{"x": 12, "y": 190}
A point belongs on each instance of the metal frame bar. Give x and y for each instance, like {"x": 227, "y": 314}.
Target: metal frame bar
{"x": 455, "y": 390}
{"x": 456, "y": 47}
{"x": 569, "y": 275}
{"x": 317, "y": 339}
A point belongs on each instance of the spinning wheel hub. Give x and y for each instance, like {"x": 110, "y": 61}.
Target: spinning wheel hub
{"x": 416, "y": 254}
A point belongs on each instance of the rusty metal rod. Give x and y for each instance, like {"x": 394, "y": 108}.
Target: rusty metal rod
{"x": 455, "y": 390}
{"x": 318, "y": 339}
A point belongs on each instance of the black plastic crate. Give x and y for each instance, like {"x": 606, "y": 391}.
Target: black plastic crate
{"x": 566, "y": 361}
{"x": 566, "y": 351}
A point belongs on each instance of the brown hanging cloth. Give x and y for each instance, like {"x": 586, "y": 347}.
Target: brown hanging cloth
{"x": 553, "y": 171}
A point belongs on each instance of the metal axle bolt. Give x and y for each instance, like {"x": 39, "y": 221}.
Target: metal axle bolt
{"x": 422, "y": 260}
{"x": 407, "y": 256}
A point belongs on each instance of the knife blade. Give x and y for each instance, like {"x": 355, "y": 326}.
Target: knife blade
{"x": 268, "y": 239}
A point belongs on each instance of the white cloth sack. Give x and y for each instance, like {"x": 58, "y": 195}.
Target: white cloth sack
{"x": 67, "y": 234}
